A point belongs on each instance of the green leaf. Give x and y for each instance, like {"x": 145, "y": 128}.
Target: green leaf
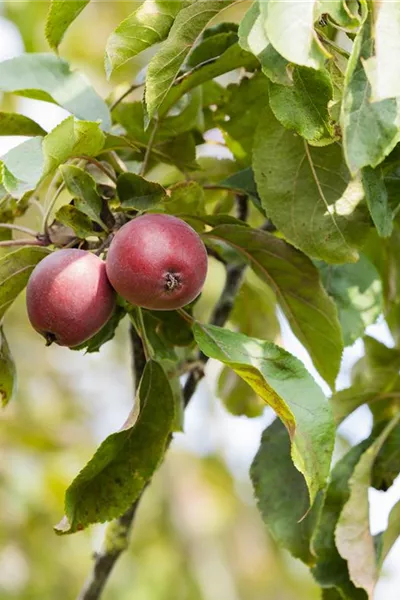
{"x": 27, "y": 164}
{"x": 307, "y": 193}
{"x": 357, "y": 292}
{"x": 238, "y": 119}
{"x": 290, "y": 28}
{"x": 215, "y": 43}
{"x": 281, "y": 381}
{"x": 105, "y": 334}
{"x": 330, "y": 570}
{"x": 233, "y": 58}
{"x": 377, "y": 200}
{"x": 304, "y": 105}
{"x": 353, "y": 538}
{"x": 7, "y": 372}
{"x": 80, "y": 223}
{"x": 254, "y": 309}
{"x": 165, "y": 65}
{"x": 15, "y": 270}
{"x": 385, "y": 66}
{"x": 370, "y": 130}
{"x": 23, "y": 167}
{"x": 186, "y": 197}
{"x": 60, "y": 16}
{"x": 71, "y": 138}
{"x": 276, "y": 484}
{"x": 252, "y": 37}
{"x": 136, "y": 193}
{"x": 387, "y": 463}
{"x": 125, "y": 461}
{"x": 29, "y": 74}
{"x": 146, "y": 26}
{"x": 295, "y": 281}
{"x": 15, "y": 124}
{"x": 82, "y": 187}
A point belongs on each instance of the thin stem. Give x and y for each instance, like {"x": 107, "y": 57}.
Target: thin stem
{"x": 50, "y": 207}
{"x": 37, "y": 204}
{"x": 19, "y": 228}
{"x": 146, "y": 345}
{"x": 118, "y": 532}
{"x": 22, "y": 242}
{"x": 185, "y": 315}
{"x": 130, "y": 89}
{"x": 100, "y": 166}
{"x": 149, "y": 148}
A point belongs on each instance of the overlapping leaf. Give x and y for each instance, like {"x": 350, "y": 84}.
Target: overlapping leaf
{"x": 7, "y": 371}
{"x": 60, "y": 16}
{"x": 295, "y": 281}
{"x": 308, "y": 194}
{"x": 125, "y": 461}
{"x": 165, "y": 65}
{"x": 281, "y": 381}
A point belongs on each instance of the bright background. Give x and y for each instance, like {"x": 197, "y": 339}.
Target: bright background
{"x": 198, "y": 535}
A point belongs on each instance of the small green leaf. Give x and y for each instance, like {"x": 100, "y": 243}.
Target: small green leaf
{"x": 289, "y": 26}
{"x": 283, "y": 382}
{"x": 233, "y": 58}
{"x": 387, "y": 463}
{"x": 146, "y": 26}
{"x": 70, "y": 216}
{"x": 60, "y": 16}
{"x": 82, "y": 187}
{"x": 370, "y": 129}
{"x": 353, "y": 538}
{"x": 28, "y": 163}
{"x": 7, "y": 371}
{"x": 252, "y": 37}
{"x": 136, "y": 193}
{"x": 295, "y": 281}
{"x": 125, "y": 461}
{"x": 342, "y": 12}
{"x": 23, "y": 167}
{"x": 215, "y": 42}
{"x": 186, "y": 197}
{"x": 330, "y": 569}
{"x": 69, "y": 139}
{"x": 15, "y": 124}
{"x": 307, "y": 193}
{"x": 238, "y": 119}
{"x": 165, "y": 65}
{"x": 304, "y": 105}
{"x": 377, "y": 200}
{"x": 276, "y": 484}
{"x": 15, "y": 270}
{"x": 29, "y": 74}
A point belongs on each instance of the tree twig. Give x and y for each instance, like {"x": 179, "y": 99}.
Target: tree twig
{"x": 118, "y": 532}
{"x": 130, "y": 89}
{"x": 22, "y": 242}
{"x": 149, "y": 148}
{"x": 18, "y": 228}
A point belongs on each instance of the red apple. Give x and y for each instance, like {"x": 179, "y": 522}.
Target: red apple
{"x": 69, "y": 297}
{"x": 158, "y": 262}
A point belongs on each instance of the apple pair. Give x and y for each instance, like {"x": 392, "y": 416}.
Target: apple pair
{"x": 155, "y": 261}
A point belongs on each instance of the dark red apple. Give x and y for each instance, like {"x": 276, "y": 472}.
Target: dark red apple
{"x": 158, "y": 262}
{"x": 69, "y": 297}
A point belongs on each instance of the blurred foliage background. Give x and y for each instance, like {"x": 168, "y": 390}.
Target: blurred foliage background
{"x": 198, "y": 535}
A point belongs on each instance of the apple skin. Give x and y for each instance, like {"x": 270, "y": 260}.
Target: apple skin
{"x": 157, "y": 261}
{"x": 69, "y": 297}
